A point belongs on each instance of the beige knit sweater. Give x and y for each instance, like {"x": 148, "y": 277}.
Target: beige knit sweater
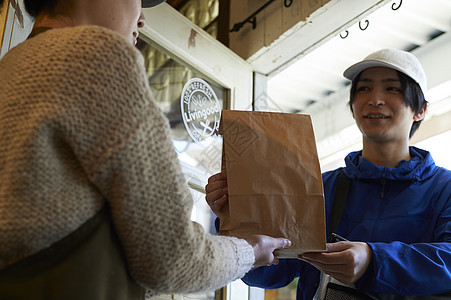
{"x": 78, "y": 125}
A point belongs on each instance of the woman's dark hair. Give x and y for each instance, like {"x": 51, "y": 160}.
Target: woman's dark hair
{"x": 413, "y": 96}
{"x": 34, "y": 7}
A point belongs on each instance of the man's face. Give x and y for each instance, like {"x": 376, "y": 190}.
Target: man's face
{"x": 379, "y": 108}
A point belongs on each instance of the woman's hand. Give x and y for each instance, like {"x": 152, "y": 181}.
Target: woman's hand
{"x": 216, "y": 192}
{"x": 344, "y": 261}
{"x": 264, "y": 247}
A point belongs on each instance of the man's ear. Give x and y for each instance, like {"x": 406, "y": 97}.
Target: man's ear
{"x": 420, "y": 115}
{"x": 352, "y": 110}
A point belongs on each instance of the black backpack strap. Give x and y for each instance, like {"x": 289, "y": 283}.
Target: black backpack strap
{"x": 338, "y": 206}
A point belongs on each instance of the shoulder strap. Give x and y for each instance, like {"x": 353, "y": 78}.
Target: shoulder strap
{"x": 338, "y": 206}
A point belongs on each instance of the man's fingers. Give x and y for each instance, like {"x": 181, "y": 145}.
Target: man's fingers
{"x": 345, "y": 261}
{"x": 215, "y": 185}
{"x": 333, "y": 254}
{"x": 216, "y": 177}
{"x": 338, "y": 246}
{"x": 220, "y": 202}
{"x": 217, "y": 205}
{"x": 216, "y": 192}
{"x": 213, "y": 196}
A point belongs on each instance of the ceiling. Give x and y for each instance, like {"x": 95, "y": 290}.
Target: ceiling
{"x": 304, "y": 66}
{"x": 317, "y": 75}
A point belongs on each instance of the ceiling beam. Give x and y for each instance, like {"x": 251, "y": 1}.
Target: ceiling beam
{"x": 307, "y": 36}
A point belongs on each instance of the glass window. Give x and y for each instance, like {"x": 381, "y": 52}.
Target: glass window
{"x": 194, "y": 120}
{"x": 203, "y": 13}
{"x": 192, "y": 103}
{"x": 438, "y": 146}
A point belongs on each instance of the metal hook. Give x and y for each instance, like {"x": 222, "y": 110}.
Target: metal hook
{"x": 343, "y": 37}
{"x": 367, "y": 24}
{"x": 287, "y": 3}
{"x": 253, "y": 21}
{"x": 236, "y": 27}
{"x": 393, "y": 6}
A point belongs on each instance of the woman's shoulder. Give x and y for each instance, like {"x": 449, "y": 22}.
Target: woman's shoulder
{"x": 71, "y": 46}
{"x": 85, "y": 52}
{"x": 83, "y": 63}
{"x": 76, "y": 45}
{"x": 86, "y": 39}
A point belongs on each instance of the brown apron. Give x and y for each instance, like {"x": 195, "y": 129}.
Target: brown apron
{"x": 87, "y": 264}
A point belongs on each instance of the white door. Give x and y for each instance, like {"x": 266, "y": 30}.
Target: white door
{"x": 190, "y": 72}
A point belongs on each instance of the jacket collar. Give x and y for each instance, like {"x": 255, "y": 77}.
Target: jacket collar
{"x": 418, "y": 168}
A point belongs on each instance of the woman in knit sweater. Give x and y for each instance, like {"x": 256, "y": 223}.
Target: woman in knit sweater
{"x": 90, "y": 201}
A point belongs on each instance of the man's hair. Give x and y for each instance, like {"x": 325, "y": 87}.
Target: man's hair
{"x": 412, "y": 93}
{"x": 34, "y": 7}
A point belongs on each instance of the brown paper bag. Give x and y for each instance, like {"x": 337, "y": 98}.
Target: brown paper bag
{"x": 274, "y": 179}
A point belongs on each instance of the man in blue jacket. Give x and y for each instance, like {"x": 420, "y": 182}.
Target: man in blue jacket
{"x": 397, "y": 216}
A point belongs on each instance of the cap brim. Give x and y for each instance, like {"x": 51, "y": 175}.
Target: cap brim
{"x": 354, "y": 70}
{"x": 151, "y": 3}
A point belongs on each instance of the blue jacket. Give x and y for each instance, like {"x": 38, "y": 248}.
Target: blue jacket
{"x": 403, "y": 213}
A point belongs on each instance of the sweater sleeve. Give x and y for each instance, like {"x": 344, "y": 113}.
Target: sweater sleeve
{"x": 122, "y": 141}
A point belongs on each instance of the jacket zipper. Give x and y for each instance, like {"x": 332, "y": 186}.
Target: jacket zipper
{"x": 383, "y": 181}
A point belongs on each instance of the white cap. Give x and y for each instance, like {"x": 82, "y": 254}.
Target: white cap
{"x": 399, "y": 60}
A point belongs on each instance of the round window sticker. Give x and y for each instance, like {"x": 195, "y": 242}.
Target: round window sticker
{"x": 201, "y": 111}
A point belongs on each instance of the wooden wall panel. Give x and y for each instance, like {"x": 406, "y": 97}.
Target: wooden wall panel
{"x": 272, "y": 18}
{"x": 308, "y": 7}
{"x": 292, "y": 15}
{"x": 272, "y": 22}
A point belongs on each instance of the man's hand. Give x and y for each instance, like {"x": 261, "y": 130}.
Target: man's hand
{"x": 216, "y": 192}
{"x": 344, "y": 261}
